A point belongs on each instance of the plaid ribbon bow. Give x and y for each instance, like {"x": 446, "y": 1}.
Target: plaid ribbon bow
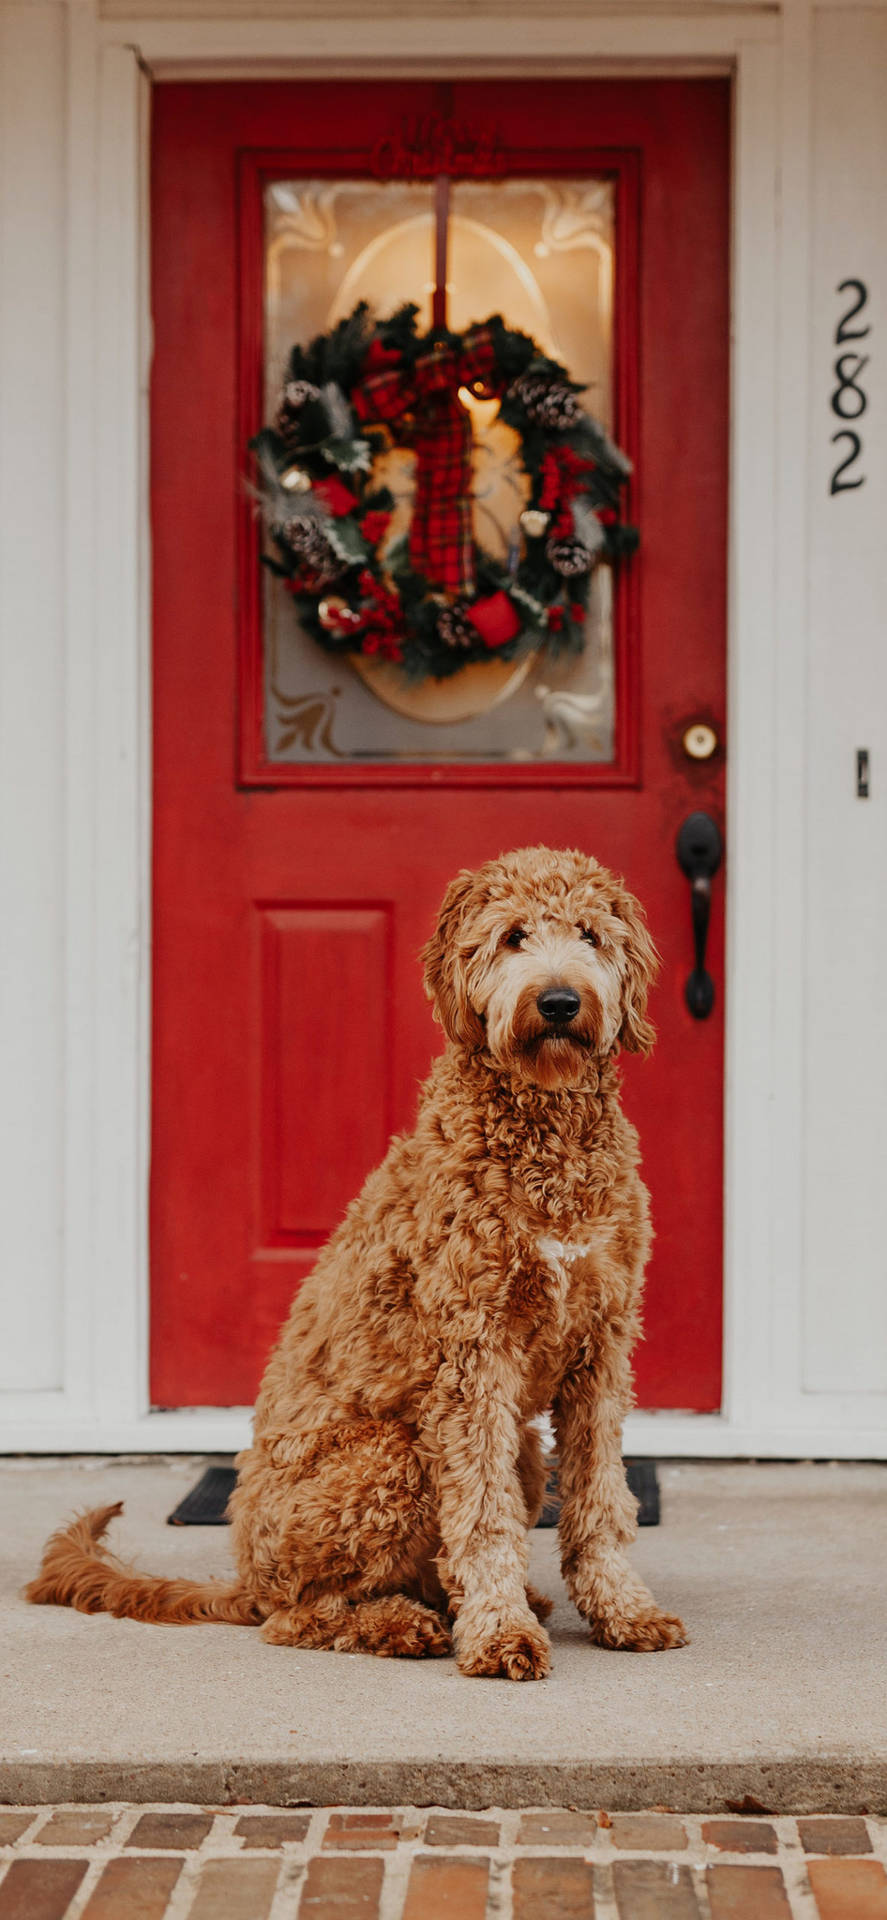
{"x": 441, "y": 544}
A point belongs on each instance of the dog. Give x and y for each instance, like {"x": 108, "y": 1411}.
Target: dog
{"x": 491, "y": 1268}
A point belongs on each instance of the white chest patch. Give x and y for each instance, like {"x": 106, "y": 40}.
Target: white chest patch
{"x": 562, "y": 1253}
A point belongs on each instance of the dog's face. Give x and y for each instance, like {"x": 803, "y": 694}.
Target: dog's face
{"x": 543, "y": 960}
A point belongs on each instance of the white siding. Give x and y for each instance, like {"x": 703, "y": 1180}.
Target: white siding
{"x": 32, "y": 691}
{"x": 845, "y": 1260}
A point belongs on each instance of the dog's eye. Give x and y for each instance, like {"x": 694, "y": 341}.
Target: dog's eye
{"x": 515, "y": 937}
{"x": 588, "y": 933}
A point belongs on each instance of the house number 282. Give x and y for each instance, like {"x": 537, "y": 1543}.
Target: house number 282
{"x": 849, "y": 400}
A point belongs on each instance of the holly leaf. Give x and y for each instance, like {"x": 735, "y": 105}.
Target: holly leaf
{"x": 352, "y": 455}
{"x": 346, "y": 539}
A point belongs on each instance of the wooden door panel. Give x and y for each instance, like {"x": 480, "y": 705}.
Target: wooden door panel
{"x": 290, "y": 1029}
{"x": 325, "y": 1060}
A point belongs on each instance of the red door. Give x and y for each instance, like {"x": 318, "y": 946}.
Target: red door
{"x": 302, "y": 837}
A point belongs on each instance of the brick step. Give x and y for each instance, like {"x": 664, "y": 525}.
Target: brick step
{"x": 119, "y": 1862}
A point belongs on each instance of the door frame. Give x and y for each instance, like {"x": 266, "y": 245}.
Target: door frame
{"x": 108, "y": 763}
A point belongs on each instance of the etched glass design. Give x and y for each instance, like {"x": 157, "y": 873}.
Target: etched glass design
{"x": 541, "y": 253}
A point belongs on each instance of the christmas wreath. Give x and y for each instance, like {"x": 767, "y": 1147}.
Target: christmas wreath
{"x": 434, "y": 599}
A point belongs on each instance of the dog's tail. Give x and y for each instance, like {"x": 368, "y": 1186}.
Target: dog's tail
{"x": 77, "y": 1571}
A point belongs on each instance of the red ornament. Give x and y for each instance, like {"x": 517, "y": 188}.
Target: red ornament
{"x": 555, "y": 619}
{"x": 495, "y": 618}
{"x": 335, "y": 496}
{"x": 577, "y": 612}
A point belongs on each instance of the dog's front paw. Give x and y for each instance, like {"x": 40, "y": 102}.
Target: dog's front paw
{"x": 646, "y": 1632}
{"x": 508, "y": 1647}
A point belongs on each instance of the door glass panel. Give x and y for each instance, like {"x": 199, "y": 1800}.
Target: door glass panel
{"x": 541, "y": 253}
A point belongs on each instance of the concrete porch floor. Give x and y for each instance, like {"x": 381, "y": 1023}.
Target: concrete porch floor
{"x": 779, "y": 1571}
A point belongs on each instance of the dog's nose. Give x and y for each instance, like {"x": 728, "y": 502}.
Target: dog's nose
{"x": 558, "y": 1004}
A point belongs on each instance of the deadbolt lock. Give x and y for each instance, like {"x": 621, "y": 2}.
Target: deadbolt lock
{"x": 699, "y": 741}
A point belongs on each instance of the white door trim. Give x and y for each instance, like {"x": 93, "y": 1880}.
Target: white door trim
{"x": 309, "y": 42}
{"x": 103, "y": 1404}
{"x": 662, "y": 1436}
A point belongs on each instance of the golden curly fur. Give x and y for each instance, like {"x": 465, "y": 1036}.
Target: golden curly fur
{"x": 490, "y": 1268}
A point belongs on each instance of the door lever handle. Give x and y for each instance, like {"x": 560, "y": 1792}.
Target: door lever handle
{"x": 699, "y": 849}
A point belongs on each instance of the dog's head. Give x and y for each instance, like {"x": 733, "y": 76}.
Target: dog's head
{"x": 542, "y": 959}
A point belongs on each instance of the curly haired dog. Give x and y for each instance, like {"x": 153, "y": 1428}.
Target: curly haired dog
{"x": 490, "y": 1268}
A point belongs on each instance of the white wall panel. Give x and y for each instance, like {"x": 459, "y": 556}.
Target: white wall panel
{"x": 845, "y": 1263}
{"x": 32, "y": 689}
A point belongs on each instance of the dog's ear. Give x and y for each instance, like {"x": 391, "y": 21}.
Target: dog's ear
{"x": 636, "y": 1034}
{"x": 444, "y": 979}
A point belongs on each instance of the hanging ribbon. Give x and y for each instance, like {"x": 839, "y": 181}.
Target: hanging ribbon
{"x": 441, "y": 538}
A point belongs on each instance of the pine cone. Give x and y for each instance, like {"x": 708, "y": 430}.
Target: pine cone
{"x": 550, "y": 403}
{"x": 295, "y": 394}
{"x": 568, "y": 557}
{"x": 454, "y": 627}
{"x": 307, "y": 539}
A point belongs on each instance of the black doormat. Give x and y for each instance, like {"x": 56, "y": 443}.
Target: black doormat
{"x": 643, "y": 1483}
{"x": 206, "y": 1505}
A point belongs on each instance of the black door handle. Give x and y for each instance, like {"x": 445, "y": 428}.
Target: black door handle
{"x": 699, "y": 851}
